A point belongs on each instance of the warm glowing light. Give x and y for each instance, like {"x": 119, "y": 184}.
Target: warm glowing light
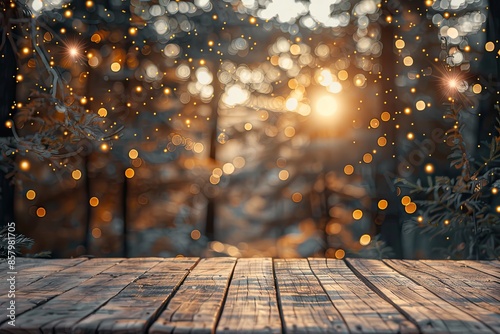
{"x": 411, "y": 208}
{"x": 102, "y": 112}
{"x": 410, "y": 136}
{"x": 343, "y": 75}
{"x": 365, "y": 239}
{"x": 24, "y": 165}
{"x": 129, "y": 173}
{"x": 289, "y": 131}
{"x": 326, "y": 105}
{"x": 291, "y": 104}
{"x": 115, "y": 67}
{"x": 494, "y": 191}
{"x": 382, "y": 141}
{"x": 133, "y": 154}
{"x": 400, "y": 44}
{"x": 339, "y": 254}
{"x": 348, "y": 169}
{"x": 357, "y": 214}
{"x": 217, "y": 246}
{"x": 76, "y": 174}
{"x": 228, "y": 168}
{"x": 408, "y": 61}
{"x": 195, "y": 234}
{"x": 297, "y": 197}
{"x": 420, "y": 105}
{"x": 367, "y": 158}
{"x": 9, "y": 124}
{"x": 383, "y": 204}
{"x": 429, "y": 168}
{"x": 333, "y": 228}
{"x": 489, "y": 46}
{"x": 40, "y": 212}
{"x": 104, "y": 147}
{"x": 405, "y": 200}
{"x": 374, "y": 123}
{"x": 283, "y": 175}
{"x": 30, "y": 194}
{"x": 94, "y": 201}
{"x": 96, "y": 232}
{"x": 477, "y": 88}
{"x": 385, "y": 116}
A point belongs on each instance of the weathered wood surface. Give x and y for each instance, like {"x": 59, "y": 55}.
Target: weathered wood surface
{"x": 228, "y": 295}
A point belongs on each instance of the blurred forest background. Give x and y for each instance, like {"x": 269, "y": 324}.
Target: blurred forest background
{"x": 278, "y": 128}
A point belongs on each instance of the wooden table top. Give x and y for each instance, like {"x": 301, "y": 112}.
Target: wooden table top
{"x": 228, "y": 295}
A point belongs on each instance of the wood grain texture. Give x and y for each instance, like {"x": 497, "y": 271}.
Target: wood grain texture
{"x": 251, "y": 305}
{"x": 428, "y": 311}
{"x": 196, "y": 306}
{"x": 363, "y": 310}
{"x": 134, "y": 308}
{"x": 54, "y": 284}
{"x": 469, "y": 278}
{"x": 32, "y": 270}
{"x": 453, "y": 291}
{"x": 305, "y": 306}
{"x": 492, "y": 267}
{"x": 61, "y": 313}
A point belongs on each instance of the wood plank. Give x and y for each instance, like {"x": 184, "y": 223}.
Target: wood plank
{"x": 461, "y": 270}
{"x": 305, "y": 306}
{"x": 362, "y": 309}
{"x": 196, "y": 306}
{"x": 483, "y": 308}
{"x": 486, "y": 267}
{"x": 39, "y": 292}
{"x": 23, "y": 263}
{"x": 467, "y": 277}
{"x": 135, "y": 307}
{"x": 35, "y": 269}
{"x": 428, "y": 311}
{"x": 251, "y": 305}
{"x": 61, "y": 313}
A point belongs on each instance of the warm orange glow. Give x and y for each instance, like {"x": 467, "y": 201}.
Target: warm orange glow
{"x": 383, "y": 204}
{"x": 357, "y": 214}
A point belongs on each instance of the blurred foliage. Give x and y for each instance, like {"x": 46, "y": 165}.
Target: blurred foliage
{"x": 22, "y": 244}
{"x": 461, "y": 208}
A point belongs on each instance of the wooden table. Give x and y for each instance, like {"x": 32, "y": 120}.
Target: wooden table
{"x": 228, "y": 295}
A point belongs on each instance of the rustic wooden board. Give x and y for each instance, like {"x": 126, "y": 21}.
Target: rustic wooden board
{"x": 61, "y": 313}
{"x": 196, "y": 306}
{"x": 467, "y": 277}
{"x": 362, "y": 309}
{"x": 251, "y": 305}
{"x": 458, "y": 269}
{"x": 32, "y": 270}
{"x": 490, "y": 268}
{"x": 428, "y": 311}
{"x": 135, "y": 307}
{"x": 305, "y": 306}
{"x": 37, "y": 293}
{"x": 481, "y": 307}
{"x": 23, "y": 263}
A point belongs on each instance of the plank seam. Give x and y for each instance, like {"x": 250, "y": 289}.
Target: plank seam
{"x": 223, "y": 303}
{"x": 449, "y": 287}
{"x": 63, "y": 292}
{"x": 381, "y": 294}
{"x": 326, "y": 293}
{"x": 481, "y": 271}
{"x": 278, "y": 299}
{"x": 113, "y": 296}
{"x": 174, "y": 292}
